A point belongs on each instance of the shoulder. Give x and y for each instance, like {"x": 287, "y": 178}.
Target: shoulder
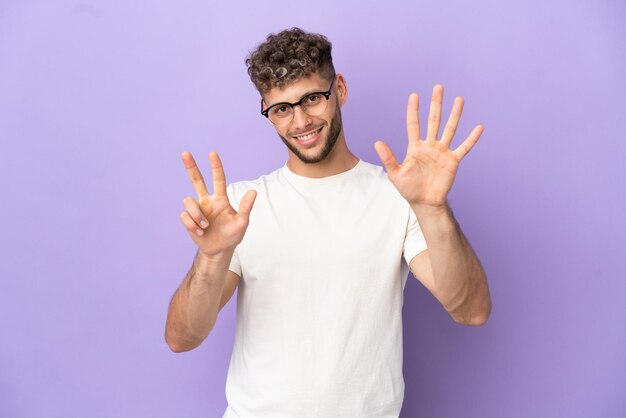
{"x": 236, "y": 190}
{"x": 376, "y": 176}
{"x": 385, "y": 194}
{"x": 373, "y": 172}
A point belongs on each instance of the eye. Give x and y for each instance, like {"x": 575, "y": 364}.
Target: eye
{"x": 280, "y": 110}
{"x": 313, "y": 98}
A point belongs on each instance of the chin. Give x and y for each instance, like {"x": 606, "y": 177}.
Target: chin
{"x": 324, "y": 146}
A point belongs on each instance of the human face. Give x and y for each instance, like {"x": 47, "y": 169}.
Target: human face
{"x": 326, "y": 128}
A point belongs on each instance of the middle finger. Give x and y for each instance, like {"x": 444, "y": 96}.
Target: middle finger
{"x": 219, "y": 178}
{"x": 434, "y": 115}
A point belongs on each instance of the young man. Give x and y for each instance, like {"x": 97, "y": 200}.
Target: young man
{"x": 322, "y": 260}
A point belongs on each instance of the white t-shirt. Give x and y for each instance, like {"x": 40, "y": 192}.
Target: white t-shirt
{"x": 323, "y": 265}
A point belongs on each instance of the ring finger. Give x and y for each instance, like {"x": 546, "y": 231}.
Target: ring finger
{"x": 195, "y": 212}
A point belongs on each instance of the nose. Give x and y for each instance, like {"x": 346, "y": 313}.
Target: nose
{"x": 300, "y": 119}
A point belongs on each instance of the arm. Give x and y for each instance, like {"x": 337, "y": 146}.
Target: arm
{"x": 450, "y": 269}
{"x": 217, "y": 229}
{"x": 195, "y": 306}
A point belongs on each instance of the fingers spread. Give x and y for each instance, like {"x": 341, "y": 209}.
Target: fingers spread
{"x": 412, "y": 117}
{"x": 434, "y": 115}
{"x": 194, "y": 174}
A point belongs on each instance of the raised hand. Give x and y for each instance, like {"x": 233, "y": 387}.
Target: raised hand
{"x": 212, "y": 222}
{"x": 426, "y": 175}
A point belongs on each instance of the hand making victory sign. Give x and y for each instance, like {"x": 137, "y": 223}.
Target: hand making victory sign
{"x": 426, "y": 175}
{"x": 212, "y": 222}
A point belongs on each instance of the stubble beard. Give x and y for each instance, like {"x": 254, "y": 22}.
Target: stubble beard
{"x": 333, "y": 135}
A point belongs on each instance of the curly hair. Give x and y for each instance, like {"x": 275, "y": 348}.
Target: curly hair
{"x": 287, "y": 57}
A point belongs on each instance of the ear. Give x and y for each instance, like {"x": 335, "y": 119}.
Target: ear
{"x": 342, "y": 89}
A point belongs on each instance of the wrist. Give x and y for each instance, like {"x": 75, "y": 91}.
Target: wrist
{"x": 217, "y": 257}
{"x": 211, "y": 268}
{"x": 425, "y": 210}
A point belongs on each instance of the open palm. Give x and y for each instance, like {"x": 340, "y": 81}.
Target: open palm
{"x": 427, "y": 173}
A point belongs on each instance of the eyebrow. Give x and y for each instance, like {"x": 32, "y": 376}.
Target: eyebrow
{"x": 305, "y": 94}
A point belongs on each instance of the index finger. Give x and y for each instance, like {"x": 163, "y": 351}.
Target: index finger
{"x": 194, "y": 174}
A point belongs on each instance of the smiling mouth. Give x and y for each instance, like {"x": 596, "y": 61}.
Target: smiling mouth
{"x": 308, "y": 136}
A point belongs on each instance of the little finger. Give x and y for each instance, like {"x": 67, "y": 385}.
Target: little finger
{"x": 189, "y": 223}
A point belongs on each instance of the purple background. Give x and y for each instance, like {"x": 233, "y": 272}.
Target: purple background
{"x": 98, "y": 100}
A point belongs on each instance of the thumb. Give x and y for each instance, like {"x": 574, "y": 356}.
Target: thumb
{"x": 386, "y": 156}
{"x": 245, "y": 206}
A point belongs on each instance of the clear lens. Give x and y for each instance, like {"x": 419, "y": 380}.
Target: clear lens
{"x": 279, "y": 113}
{"x": 313, "y": 105}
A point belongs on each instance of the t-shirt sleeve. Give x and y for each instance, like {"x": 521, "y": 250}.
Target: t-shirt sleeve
{"x": 235, "y": 264}
{"x": 414, "y": 241}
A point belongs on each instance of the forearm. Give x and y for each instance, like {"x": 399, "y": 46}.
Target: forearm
{"x": 194, "y": 307}
{"x": 459, "y": 276}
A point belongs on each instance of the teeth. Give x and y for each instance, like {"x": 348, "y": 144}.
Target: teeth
{"x": 307, "y": 137}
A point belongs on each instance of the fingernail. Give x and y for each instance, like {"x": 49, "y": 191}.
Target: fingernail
{"x": 199, "y": 231}
{"x": 204, "y": 223}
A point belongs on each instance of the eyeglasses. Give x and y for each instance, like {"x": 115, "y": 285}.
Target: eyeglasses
{"x": 313, "y": 104}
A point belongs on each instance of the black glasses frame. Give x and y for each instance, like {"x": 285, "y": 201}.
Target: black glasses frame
{"x": 326, "y": 94}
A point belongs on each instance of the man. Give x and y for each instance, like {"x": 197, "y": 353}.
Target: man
{"x": 322, "y": 260}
